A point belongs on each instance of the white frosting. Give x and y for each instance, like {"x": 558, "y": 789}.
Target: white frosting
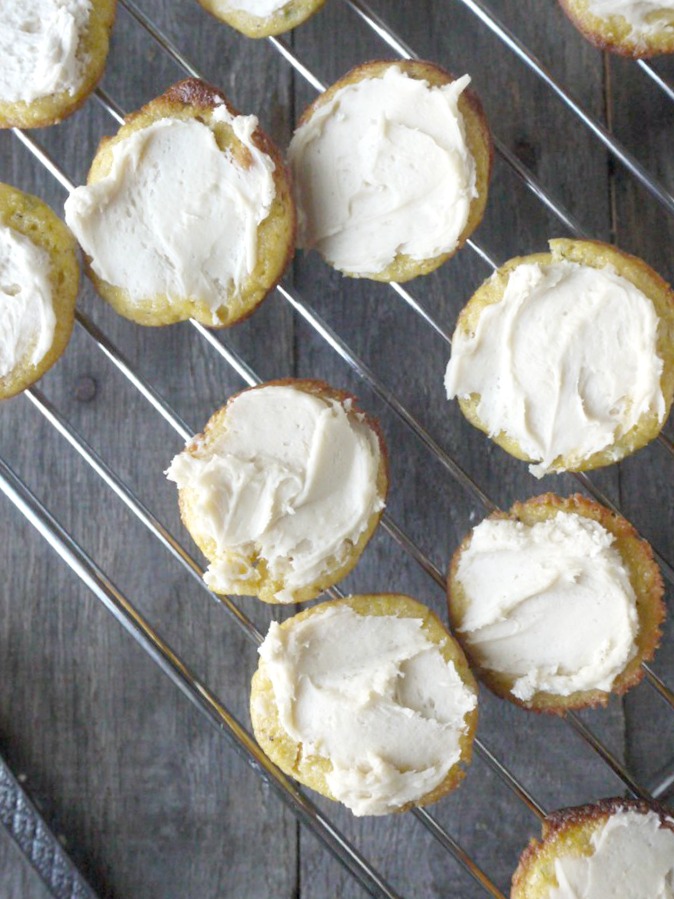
{"x": 38, "y": 47}
{"x": 550, "y": 605}
{"x": 293, "y": 480}
{"x": 648, "y": 18}
{"x": 381, "y": 169}
{"x": 176, "y": 216}
{"x": 261, "y": 8}
{"x": 27, "y": 319}
{"x": 375, "y": 697}
{"x": 632, "y": 858}
{"x": 565, "y": 364}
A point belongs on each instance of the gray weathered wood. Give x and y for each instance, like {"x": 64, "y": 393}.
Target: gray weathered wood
{"x": 150, "y": 800}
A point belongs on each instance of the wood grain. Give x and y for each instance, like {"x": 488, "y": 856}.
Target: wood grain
{"x": 152, "y": 802}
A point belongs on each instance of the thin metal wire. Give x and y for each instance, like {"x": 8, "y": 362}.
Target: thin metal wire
{"x": 525, "y": 796}
{"x": 186, "y": 681}
{"x": 658, "y": 684}
{"x": 452, "y": 846}
{"x": 657, "y": 79}
{"x": 616, "y": 766}
{"x": 159, "y": 37}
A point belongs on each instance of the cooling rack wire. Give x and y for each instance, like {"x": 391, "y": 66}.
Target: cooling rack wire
{"x": 139, "y": 627}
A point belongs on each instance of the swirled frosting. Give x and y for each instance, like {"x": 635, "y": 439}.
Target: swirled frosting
{"x": 39, "y": 41}
{"x": 381, "y": 169}
{"x": 176, "y": 216}
{"x": 632, "y": 857}
{"x": 292, "y": 480}
{"x": 375, "y": 697}
{"x": 549, "y": 605}
{"x": 565, "y": 363}
{"x": 27, "y": 319}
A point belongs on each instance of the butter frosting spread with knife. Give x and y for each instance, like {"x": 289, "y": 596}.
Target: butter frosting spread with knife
{"x": 282, "y": 490}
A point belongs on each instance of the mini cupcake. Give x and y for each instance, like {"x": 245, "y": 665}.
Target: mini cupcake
{"x": 53, "y": 55}
{"x": 566, "y": 358}
{"x": 367, "y": 700}
{"x": 187, "y": 212}
{"x": 391, "y": 167}
{"x": 617, "y": 847}
{"x": 283, "y": 490}
{"x": 556, "y": 604}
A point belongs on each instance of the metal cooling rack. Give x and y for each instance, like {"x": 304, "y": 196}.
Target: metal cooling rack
{"x": 143, "y": 631}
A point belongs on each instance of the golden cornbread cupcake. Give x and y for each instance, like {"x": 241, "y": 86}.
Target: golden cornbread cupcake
{"x": 391, "y": 167}
{"x": 283, "y": 490}
{"x": 622, "y": 848}
{"x": 367, "y": 700}
{"x": 261, "y": 18}
{"x": 187, "y": 212}
{"x": 53, "y": 55}
{"x": 556, "y": 603}
{"x": 636, "y": 28}
{"x": 39, "y": 277}
{"x": 566, "y": 358}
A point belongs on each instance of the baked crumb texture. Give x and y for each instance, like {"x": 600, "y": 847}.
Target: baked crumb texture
{"x": 478, "y": 141}
{"x": 596, "y": 255}
{"x": 240, "y": 14}
{"x": 313, "y": 769}
{"x": 612, "y": 31}
{"x": 92, "y": 51}
{"x": 29, "y": 216}
{"x": 645, "y": 578}
{"x": 194, "y": 100}
{"x": 568, "y": 833}
{"x": 267, "y": 586}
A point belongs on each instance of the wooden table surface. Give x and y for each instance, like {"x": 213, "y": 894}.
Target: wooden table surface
{"x": 151, "y": 801}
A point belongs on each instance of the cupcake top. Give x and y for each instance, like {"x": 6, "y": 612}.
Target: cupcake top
{"x": 528, "y": 590}
{"x": 39, "y": 47}
{"x": 377, "y": 700}
{"x": 27, "y": 319}
{"x": 556, "y": 603}
{"x": 560, "y": 360}
{"x": 187, "y": 212}
{"x": 632, "y": 854}
{"x": 614, "y": 848}
{"x": 261, "y": 18}
{"x": 192, "y": 210}
{"x": 281, "y": 489}
{"x": 384, "y": 169}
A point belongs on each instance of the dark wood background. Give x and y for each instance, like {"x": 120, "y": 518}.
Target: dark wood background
{"x": 149, "y": 799}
